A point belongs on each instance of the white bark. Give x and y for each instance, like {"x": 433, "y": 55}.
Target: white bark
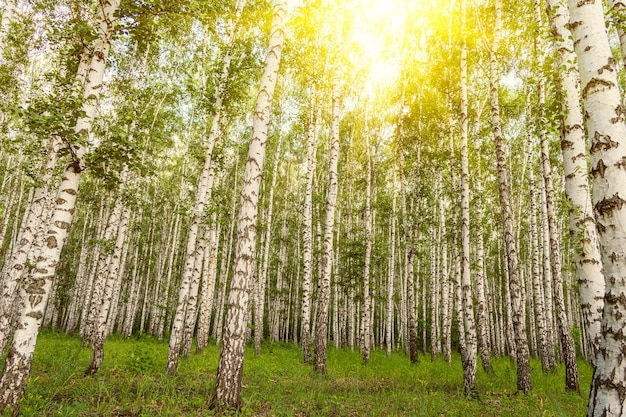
{"x": 230, "y": 368}
{"x": 35, "y": 293}
{"x": 607, "y": 135}
{"x": 518, "y": 319}
{"x": 589, "y": 270}
{"x": 323, "y": 296}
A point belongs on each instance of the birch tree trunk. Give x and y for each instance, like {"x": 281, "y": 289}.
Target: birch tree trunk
{"x": 323, "y": 296}
{"x": 392, "y": 274}
{"x": 307, "y": 227}
{"x": 230, "y": 368}
{"x": 203, "y": 194}
{"x": 259, "y": 305}
{"x": 208, "y": 286}
{"x": 582, "y": 226}
{"x": 99, "y": 331}
{"x": 35, "y": 293}
{"x": 35, "y": 221}
{"x": 365, "y": 312}
{"x": 409, "y": 255}
{"x": 607, "y": 135}
{"x": 470, "y": 359}
{"x": 519, "y": 321}
{"x": 567, "y": 342}
{"x": 546, "y": 353}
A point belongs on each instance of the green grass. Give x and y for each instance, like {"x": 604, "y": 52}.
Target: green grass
{"x": 276, "y": 383}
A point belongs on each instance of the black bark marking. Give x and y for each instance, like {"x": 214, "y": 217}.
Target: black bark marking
{"x": 36, "y": 286}
{"x": 602, "y": 143}
{"x": 566, "y": 144}
{"x": 60, "y": 201}
{"x": 62, "y": 225}
{"x": 596, "y": 84}
{"x": 51, "y": 242}
{"x": 600, "y": 168}
{"x": 609, "y": 66}
{"x": 607, "y": 205}
{"x": 70, "y": 191}
{"x": 583, "y": 2}
{"x": 37, "y": 315}
{"x": 35, "y": 300}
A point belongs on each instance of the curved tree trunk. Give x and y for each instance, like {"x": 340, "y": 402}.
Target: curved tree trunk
{"x": 230, "y": 368}
{"x": 35, "y": 293}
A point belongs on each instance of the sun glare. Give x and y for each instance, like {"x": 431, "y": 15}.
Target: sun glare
{"x": 377, "y": 36}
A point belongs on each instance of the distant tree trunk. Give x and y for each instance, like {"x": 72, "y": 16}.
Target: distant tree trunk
{"x": 546, "y": 353}
{"x": 607, "y": 135}
{"x": 99, "y": 332}
{"x": 230, "y": 368}
{"x": 203, "y": 194}
{"x": 323, "y": 295}
{"x": 392, "y": 274}
{"x": 307, "y": 227}
{"x": 567, "y": 343}
{"x": 208, "y": 286}
{"x": 191, "y": 315}
{"x": 589, "y": 269}
{"x": 34, "y": 294}
{"x": 259, "y": 305}
{"x": 365, "y": 311}
{"x": 409, "y": 254}
{"x": 519, "y": 321}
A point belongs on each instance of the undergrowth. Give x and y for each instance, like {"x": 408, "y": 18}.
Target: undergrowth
{"x": 276, "y": 383}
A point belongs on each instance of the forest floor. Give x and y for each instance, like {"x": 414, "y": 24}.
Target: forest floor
{"x": 276, "y": 383}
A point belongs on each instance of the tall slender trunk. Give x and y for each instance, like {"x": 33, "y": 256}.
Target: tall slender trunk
{"x": 567, "y": 342}
{"x": 582, "y": 226}
{"x": 208, "y": 285}
{"x": 35, "y": 293}
{"x": 203, "y": 194}
{"x": 32, "y": 229}
{"x": 259, "y": 305}
{"x": 365, "y": 311}
{"x": 519, "y": 321}
{"x": 470, "y": 359}
{"x": 230, "y": 368}
{"x": 392, "y": 274}
{"x": 607, "y": 135}
{"x": 546, "y": 353}
{"x": 307, "y": 227}
{"x": 323, "y": 296}
{"x": 99, "y": 331}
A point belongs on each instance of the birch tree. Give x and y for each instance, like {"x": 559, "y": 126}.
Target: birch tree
{"x": 230, "y": 368}
{"x": 607, "y": 134}
{"x": 323, "y": 295}
{"x": 582, "y": 226}
{"x": 514, "y": 283}
{"x": 34, "y": 295}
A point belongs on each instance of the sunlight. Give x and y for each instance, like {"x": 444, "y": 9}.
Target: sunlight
{"x": 377, "y": 35}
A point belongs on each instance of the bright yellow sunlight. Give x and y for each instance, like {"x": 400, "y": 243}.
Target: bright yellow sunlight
{"x": 377, "y": 35}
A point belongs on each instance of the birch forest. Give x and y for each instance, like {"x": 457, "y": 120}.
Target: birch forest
{"x": 421, "y": 182}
